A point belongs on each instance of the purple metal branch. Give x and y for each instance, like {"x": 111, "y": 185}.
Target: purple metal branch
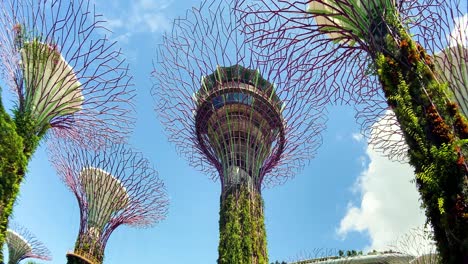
{"x": 420, "y": 243}
{"x": 200, "y": 44}
{"x": 66, "y": 73}
{"x": 380, "y": 126}
{"x": 341, "y": 64}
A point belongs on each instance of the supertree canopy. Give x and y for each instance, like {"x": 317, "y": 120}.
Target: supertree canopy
{"x": 63, "y": 70}
{"x": 67, "y": 80}
{"x": 114, "y": 186}
{"x": 51, "y": 85}
{"x": 419, "y": 243}
{"x": 405, "y": 62}
{"x": 237, "y": 119}
{"x": 22, "y": 245}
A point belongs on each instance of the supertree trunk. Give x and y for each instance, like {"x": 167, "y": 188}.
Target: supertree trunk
{"x": 17, "y": 144}
{"x": 242, "y": 234}
{"x": 87, "y": 250}
{"x": 434, "y": 130}
{"x": 73, "y": 259}
{"x": 12, "y": 168}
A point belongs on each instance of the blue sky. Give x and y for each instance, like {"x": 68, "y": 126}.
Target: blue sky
{"x": 347, "y": 197}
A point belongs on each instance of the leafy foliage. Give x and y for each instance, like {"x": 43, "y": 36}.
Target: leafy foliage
{"x": 434, "y": 130}
{"x": 90, "y": 249}
{"x": 18, "y": 141}
{"x": 72, "y": 259}
{"x": 13, "y": 164}
{"x": 242, "y": 227}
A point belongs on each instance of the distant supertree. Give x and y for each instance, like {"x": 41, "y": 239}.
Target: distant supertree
{"x": 114, "y": 186}
{"x": 334, "y": 256}
{"x": 236, "y": 119}
{"x": 405, "y": 59}
{"x": 22, "y": 245}
{"x": 67, "y": 79}
{"x": 419, "y": 243}
{"x": 321, "y": 254}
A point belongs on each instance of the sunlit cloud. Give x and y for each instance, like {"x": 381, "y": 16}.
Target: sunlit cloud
{"x": 358, "y": 137}
{"x": 141, "y": 16}
{"x": 459, "y": 34}
{"x": 389, "y": 202}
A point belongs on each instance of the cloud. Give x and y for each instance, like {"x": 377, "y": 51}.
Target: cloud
{"x": 459, "y": 34}
{"x": 387, "y": 138}
{"x": 358, "y": 137}
{"x": 139, "y": 17}
{"x": 389, "y": 204}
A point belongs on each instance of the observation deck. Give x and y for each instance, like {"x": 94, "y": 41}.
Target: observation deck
{"x": 239, "y": 124}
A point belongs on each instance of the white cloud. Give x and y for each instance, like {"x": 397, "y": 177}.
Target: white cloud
{"x": 386, "y": 137}
{"x": 140, "y": 16}
{"x": 152, "y": 4}
{"x": 114, "y": 23}
{"x": 389, "y": 204}
{"x": 358, "y": 137}
{"x": 155, "y": 22}
{"x": 459, "y": 34}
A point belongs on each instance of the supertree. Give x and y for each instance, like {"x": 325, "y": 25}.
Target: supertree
{"x": 389, "y": 56}
{"x": 238, "y": 120}
{"x": 419, "y": 243}
{"x": 22, "y": 245}
{"x": 67, "y": 78}
{"x": 114, "y": 186}
{"x": 322, "y": 256}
